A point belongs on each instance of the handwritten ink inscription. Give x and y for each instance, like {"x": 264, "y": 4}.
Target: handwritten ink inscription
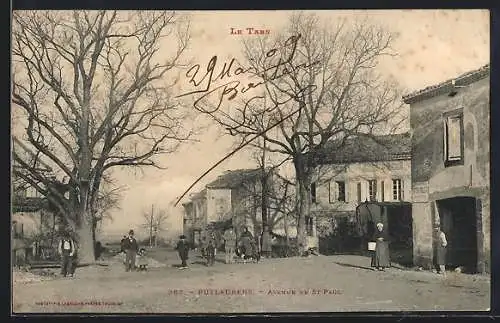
{"x": 278, "y": 62}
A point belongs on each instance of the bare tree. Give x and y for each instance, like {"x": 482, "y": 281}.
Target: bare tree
{"x": 160, "y": 225}
{"x": 94, "y": 89}
{"x": 154, "y": 223}
{"x": 318, "y": 83}
{"x": 108, "y": 200}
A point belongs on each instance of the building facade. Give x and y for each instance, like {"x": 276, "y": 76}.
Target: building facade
{"x": 195, "y": 216}
{"x": 233, "y": 198}
{"x": 451, "y": 169}
{"x": 362, "y": 169}
{"x": 32, "y": 218}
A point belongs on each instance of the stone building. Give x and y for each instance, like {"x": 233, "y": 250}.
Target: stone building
{"x": 195, "y": 216}
{"x": 362, "y": 169}
{"x": 32, "y": 217}
{"x": 451, "y": 169}
{"x": 233, "y": 198}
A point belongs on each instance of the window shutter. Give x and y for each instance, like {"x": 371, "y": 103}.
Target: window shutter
{"x": 401, "y": 194}
{"x": 445, "y": 140}
{"x": 331, "y": 196}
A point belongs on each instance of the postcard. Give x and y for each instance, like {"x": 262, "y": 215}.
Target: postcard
{"x": 250, "y": 161}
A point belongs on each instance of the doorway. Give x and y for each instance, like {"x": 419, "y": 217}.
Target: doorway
{"x": 400, "y": 222}
{"x": 459, "y": 222}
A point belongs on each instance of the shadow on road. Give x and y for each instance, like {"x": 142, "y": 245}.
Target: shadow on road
{"x": 353, "y": 266}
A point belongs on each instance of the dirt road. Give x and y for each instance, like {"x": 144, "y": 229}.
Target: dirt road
{"x": 318, "y": 284}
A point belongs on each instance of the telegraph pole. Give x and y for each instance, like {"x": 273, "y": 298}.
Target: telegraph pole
{"x": 151, "y": 227}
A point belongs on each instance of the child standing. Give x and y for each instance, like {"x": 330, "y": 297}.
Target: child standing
{"x": 142, "y": 260}
{"x": 183, "y": 250}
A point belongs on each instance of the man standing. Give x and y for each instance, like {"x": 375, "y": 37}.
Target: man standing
{"x": 183, "y": 250}
{"x": 441, "y": 250}
{"x": 67, "y": 251}
{"x": 229, "y": 244}
{"x": 131, "y": 248}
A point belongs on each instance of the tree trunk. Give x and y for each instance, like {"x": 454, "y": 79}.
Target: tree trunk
{"x": 303, "y": 200}
{"x": 85, "y": 243}
{"x": 287, "y": 239}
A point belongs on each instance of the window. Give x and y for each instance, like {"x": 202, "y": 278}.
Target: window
{"x": 396, "y": 189}
{"x": 372, "y": 190}
{"x": 336, "y": 191}
{"x": 21, "y": 192}
{"x": 309, "y": 226}
{"x": 358, "y": 191}
{"x": 313, "y": 192}
{"x": 18, "y": 230}
{"x": 340, "y": 191}
{"x": 453, "y": 138}
{"x": 382, "y": 191}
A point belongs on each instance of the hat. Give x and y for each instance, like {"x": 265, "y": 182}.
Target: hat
{"x": 131, "y": 232}
{"x": 380, "y": 225}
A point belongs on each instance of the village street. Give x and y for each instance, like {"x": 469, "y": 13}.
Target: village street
{"x": 333, "y": 283}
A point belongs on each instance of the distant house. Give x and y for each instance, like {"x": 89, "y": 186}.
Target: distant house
{"x": 31, "y": 212}
{"x": 233, "y": 198}
{"x": 451, "y": 169}
{"x": 195, "y": 216}
{"x": 360, "y": 169}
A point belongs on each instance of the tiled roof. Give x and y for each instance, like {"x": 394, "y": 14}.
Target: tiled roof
{"x": 199, "y": 195}
{"x": 443, "y": 87}
{"x": 234, "y": 178}
{"x": 367, "y": 149}
{"x": 196, "y": 196}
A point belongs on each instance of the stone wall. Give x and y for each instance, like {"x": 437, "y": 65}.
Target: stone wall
{"x": 218, "y": 204}
{"x": 428, "y": 167}
{"x": 352, "y": 174}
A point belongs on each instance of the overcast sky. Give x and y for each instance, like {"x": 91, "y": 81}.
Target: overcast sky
{"x": 433, "y": 46}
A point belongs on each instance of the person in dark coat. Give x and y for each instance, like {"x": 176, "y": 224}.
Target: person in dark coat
{"x": 131, "y": 248}
{"x": 203, "y": 246}
{"x": 123, "y": 242}
{"x": 246, "y": 243}
{"x": 441, "y": 250}
{"x": 382, "y": 258}
{"x": 210, "y": 252}
{"x": 183, "y": 250}
{"x": 266, "y": 242}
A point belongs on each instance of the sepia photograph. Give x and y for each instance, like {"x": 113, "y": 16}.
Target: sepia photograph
{"x": 251, "y": 162}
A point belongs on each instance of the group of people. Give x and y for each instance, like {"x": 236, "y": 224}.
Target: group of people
{"x": 381, "y": 257}
{"x": 246, "y": 247}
